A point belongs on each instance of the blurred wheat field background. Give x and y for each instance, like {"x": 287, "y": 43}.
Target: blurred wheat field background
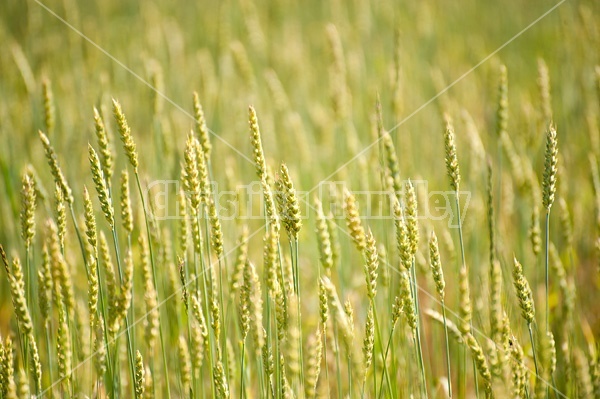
{"x": 344, "y": 199}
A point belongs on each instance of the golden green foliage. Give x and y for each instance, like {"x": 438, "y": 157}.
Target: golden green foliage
{"x": 199, "y": 278}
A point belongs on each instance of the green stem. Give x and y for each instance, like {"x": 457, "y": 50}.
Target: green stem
{"x": 188, "y": 323}
{"x": 242, "y": 390}
{"x": 418, "y": 329}
{"x": 162, "y": 343}
{"x": 211, "y": 333}
{"x": 81, "y": 246}
{"x": 462, "y": 251}
{"x": 350, "y": 373}
{"x": 535, "y": 362}
{"x": 421, "y": 363}
{"x": 377, "y": 329}
{"x": 387, "y": 348}
{"x": 325, "y": 358}
{"x": 460, "y": 234}
{"x": 197, "y": 275}
{"x": 295, "y": 260}
{"x": 30, "y": 281}
{"x": 127, "y": 327}
{"x": 91, "y": 363}
{"x": 267, "y": 321}
{"x": 85, "y": 264}
{"x": 475, "y": 382}
{"x": 337, "y": 360}
{"x": 132, "y": 308}
{"x": 447, "y": 351}
{"x": 283, "y": 279}
{"x": 278, "y": 380}
{"x": 261, "y": 379}
{"x": 109, "y": 370}
{"x": 394, "y": 366}
{"x": 49, "y": 351}
{"x": 546, "y": 268}
{"x": 463, "y": 374}
{"x": 225, "y": 335}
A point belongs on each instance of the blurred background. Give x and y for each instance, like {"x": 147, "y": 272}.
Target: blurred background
{"x": 313, "y": 70}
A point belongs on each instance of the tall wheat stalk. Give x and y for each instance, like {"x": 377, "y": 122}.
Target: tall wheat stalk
{"x": 549, "y": 189}
{"x": 131, "y": 152}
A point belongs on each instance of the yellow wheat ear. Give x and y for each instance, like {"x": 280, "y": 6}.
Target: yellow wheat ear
{"x": 436, "y": 266}
{"x": 357, "y": 231}
{"x": 125, "y": 134}
{"x": 371, "y": 264}
{"x": 411, "y": 216}
{"x": 369, "y": 341}
{"x": 126, "y": 209}
{"x": 101, "y": 187}
{"x": 200, "y": 127}
{"x": 90, "y": 221}
{"x": 49, "y": 107}
{"x": 451, "y": 157}
{"x": 106, "y": 151}
{"x": 57, "y": 173}
{"x": 28, "y": 205}
{"x": 140, "y": 375}
{"x": 259, "y": 156}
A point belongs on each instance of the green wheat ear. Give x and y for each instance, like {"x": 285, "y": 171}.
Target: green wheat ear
{"x": 49, "y": 107}
{"x": 550, "y": 168}
{"x": 371, "y": 264}
{"x": 64, "y": 354}
{"x": 200, "y": 128}
{"x": 315, "y": 350}
{"x": 411, "y": 217}
{"x": 90, "y": 221}
{"x": 480, "y": 362}
{"x": 369, "y": 341}
{"x": 543, "y": 82}
{"x": 408, "y": 304}
{"x": 28, "y": 205}
{"x": 92, "y": 290}
{"x": 535, "y": 232}
{"x": 126, "y": 209}
{"x": 191, "y": 178}
{"x": 391, "y": 158}
{"x": 402, "y": 238}
{"x": 323, "y": 238}
{"x": 17, "y": 289}
{"x": 436, "y": 266}
{"x": 289, "y": 209}
{"x": 465, "y": 302}
{"x": 61, "y": 215}
{"x": 524, "y": 293}
{"x": 502, "y": 111}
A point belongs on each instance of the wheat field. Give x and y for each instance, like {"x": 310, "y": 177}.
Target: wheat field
{"x": 283, "y": 199}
